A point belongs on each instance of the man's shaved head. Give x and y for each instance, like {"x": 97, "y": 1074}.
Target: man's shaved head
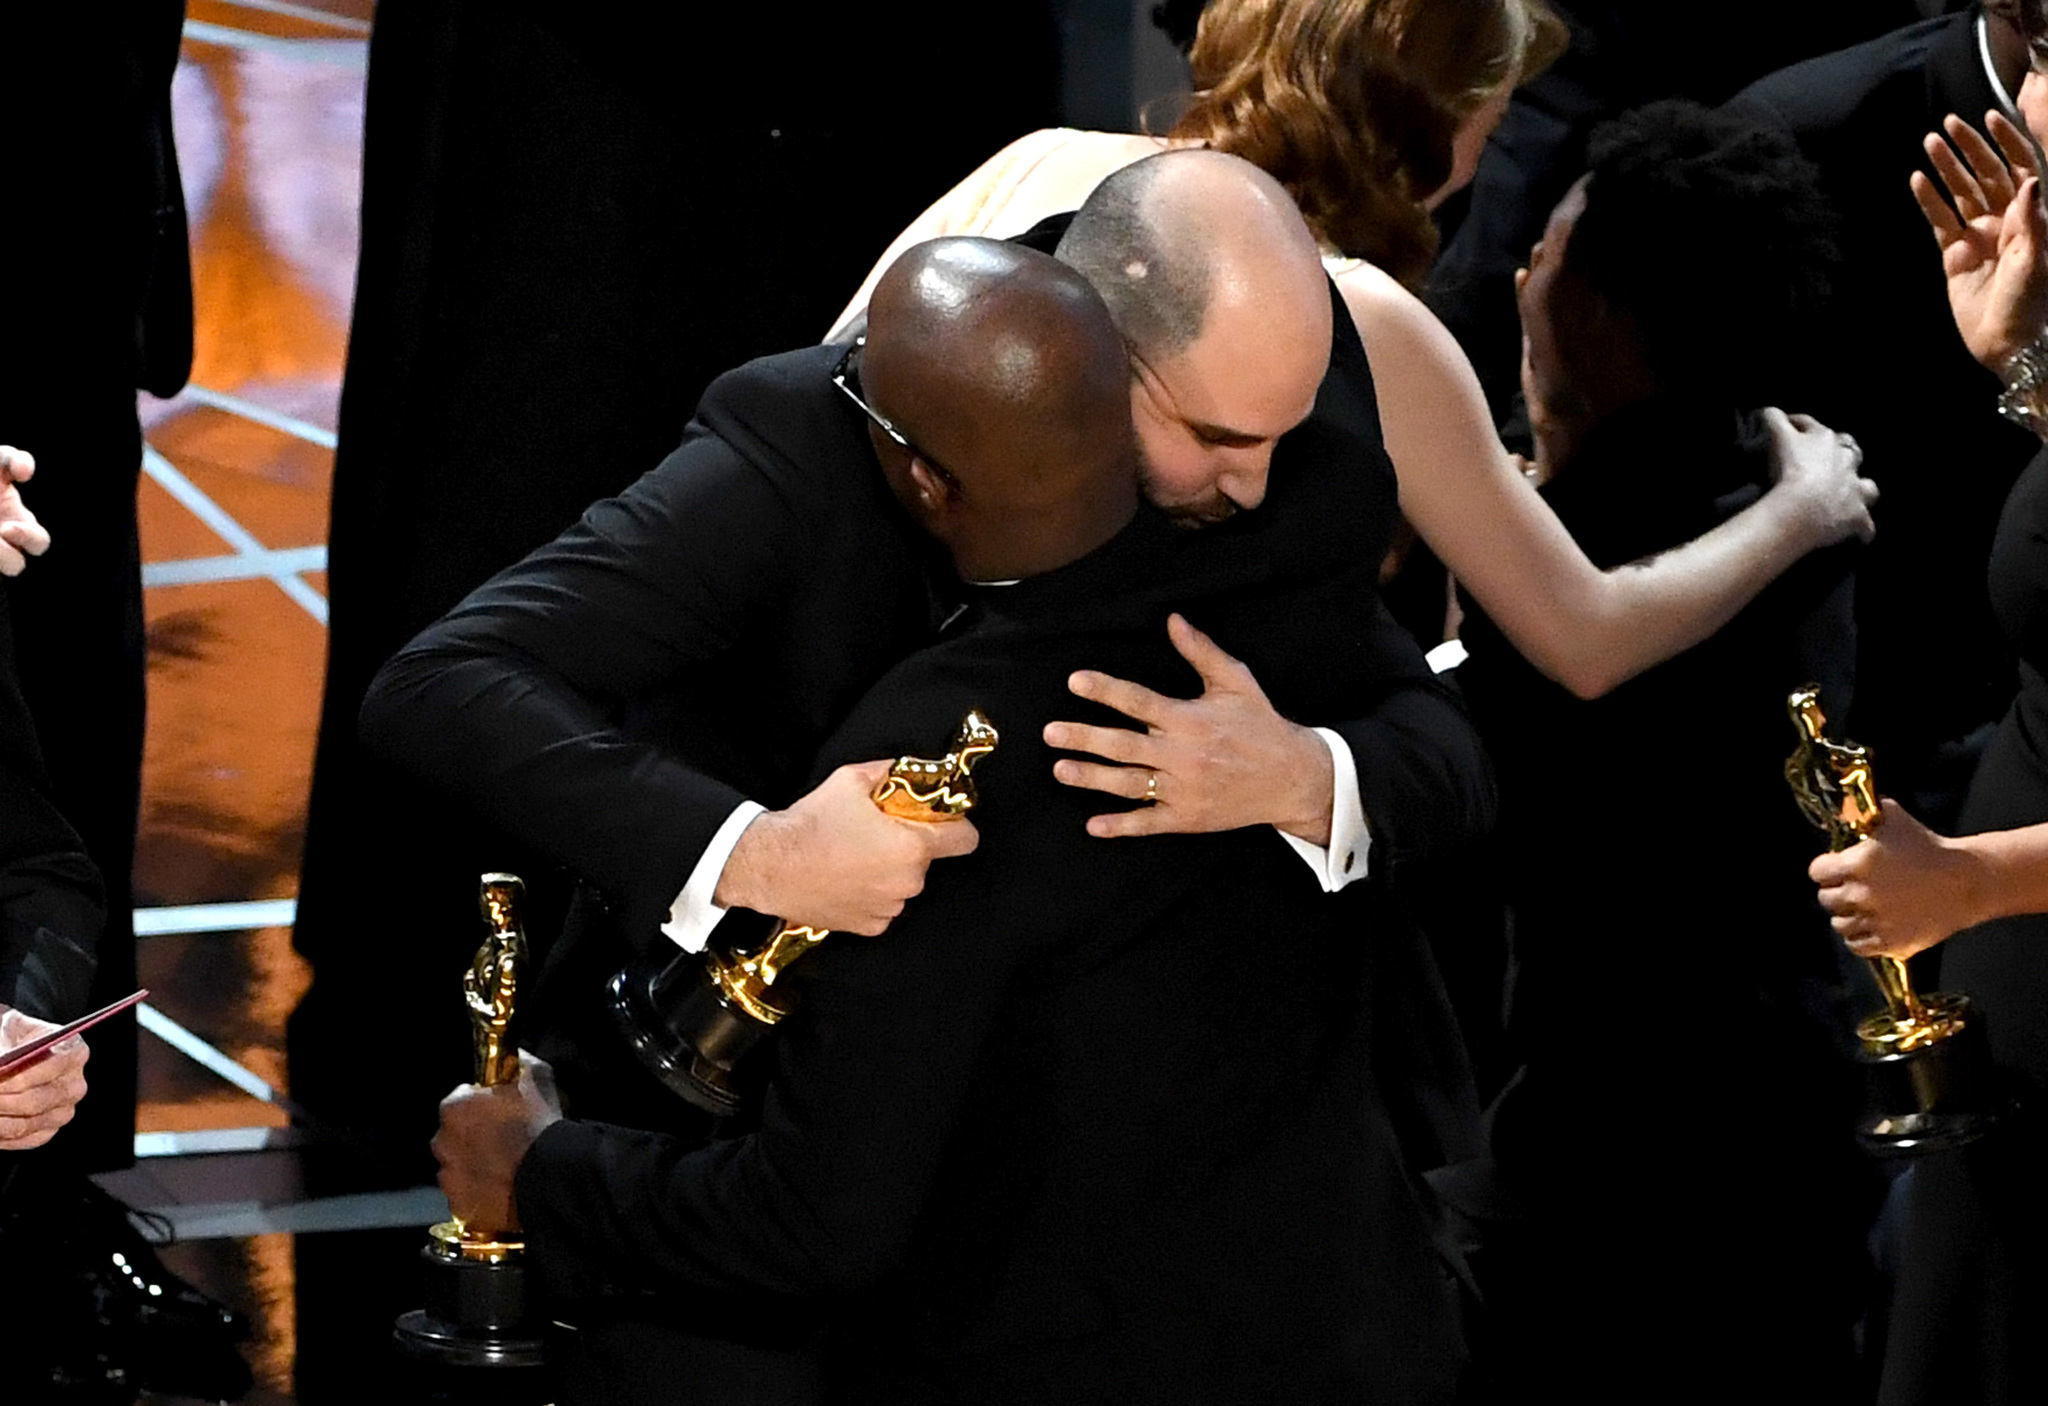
{"x": 1218, "y": 289}
{"x": 1152, "y": 271}
{"x": 1004, "y": 371}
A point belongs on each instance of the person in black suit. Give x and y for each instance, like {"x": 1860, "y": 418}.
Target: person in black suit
{"x": 1044, "y": 1140}
{"x": 104, "y": 1319}
{"x": 95, "y": 277}
{"x": 1888, "y": 366}
{"x": 52, "y": 908}
{"x": 1679, "y": 1139}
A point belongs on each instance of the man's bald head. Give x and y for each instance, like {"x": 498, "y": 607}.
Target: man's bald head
{"x": 1005, "y": 372}
{"x": 1218, "y": 289}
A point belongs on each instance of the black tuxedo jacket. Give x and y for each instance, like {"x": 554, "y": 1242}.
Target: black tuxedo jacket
{"x": 1647, "y": 999}
{"x": 1595, "y": 794}
{"x": 1890, "y": 368}
{"x": 728, "y": 609}
{"x": 1094, "y": 1121}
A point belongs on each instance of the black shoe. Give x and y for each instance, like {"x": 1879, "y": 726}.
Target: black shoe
{"x": 112, "y": 1320}
{"x": 105, "y": 1235}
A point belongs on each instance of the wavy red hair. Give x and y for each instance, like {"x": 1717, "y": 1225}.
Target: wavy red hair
{"x": 1352, "y": 104}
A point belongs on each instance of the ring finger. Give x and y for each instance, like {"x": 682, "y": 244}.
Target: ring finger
{"x": 1130, "y": 782}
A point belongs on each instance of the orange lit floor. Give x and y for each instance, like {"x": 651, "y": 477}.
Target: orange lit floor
{"x": 267, "y": 106}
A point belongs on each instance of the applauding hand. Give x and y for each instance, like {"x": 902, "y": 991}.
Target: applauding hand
{"x": 1992, "y": 241}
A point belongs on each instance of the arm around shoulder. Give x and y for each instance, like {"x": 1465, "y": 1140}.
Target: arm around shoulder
{"x": 1587, "y": 628}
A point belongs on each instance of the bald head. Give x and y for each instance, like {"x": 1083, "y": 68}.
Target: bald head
{"x": 1005, "y": 372}
{"x": 1164, "y": 237}
{"x": 1218, "y": 289}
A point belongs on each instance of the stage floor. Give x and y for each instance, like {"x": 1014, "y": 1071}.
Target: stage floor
{"x": 268, "y": 106}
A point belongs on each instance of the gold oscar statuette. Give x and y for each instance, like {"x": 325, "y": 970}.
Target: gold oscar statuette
{"x": 1926, "y": 1053}
{"x": 692, "y": 1020}
{"x": 475, "y": 1278}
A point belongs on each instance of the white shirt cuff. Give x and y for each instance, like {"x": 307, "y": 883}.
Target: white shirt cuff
{"x": 693, "y": 915}
{"x": 1343, "y": 861}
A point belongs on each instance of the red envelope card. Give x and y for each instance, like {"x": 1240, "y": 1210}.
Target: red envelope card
{"x": 28, "y": 1050}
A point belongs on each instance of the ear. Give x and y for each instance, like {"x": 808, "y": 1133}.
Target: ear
{"x": 933, "y": 496}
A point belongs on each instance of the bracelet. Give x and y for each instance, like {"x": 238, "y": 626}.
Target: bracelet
{"x": 2025, "y": 374}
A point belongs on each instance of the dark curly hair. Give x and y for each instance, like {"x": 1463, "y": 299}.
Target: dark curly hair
{"x": 1352, "y": 104}
{"x": 1713, "y": 235}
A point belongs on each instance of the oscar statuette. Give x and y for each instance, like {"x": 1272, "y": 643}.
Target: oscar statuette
{"x": 475, "y": 1275}
{"x": 1927, "y": 1063}
{"x": 691, "y": 1020}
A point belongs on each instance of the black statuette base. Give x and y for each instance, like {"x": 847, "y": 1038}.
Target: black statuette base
{"x": 1930, "y": 1099}
{"x": 475, "y": 1316}
{"x": 685, "y": 1031}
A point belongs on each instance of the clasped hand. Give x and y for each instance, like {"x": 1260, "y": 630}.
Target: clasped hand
{"x": 836, "y": 862}
{"x": 41, "y": 1096}
{"x": 1899, "y": 890}
{"x": 1221, "y": 761}
{"x": 484, "y": 1136}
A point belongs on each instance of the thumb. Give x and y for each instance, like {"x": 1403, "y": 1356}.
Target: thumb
{"x": 1893, "y": 817}
{"x": 866, "y": 775}
{"x": 1219, "y": 670}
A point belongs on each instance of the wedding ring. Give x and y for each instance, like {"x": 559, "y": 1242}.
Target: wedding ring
{"x": 1152, "y": 789}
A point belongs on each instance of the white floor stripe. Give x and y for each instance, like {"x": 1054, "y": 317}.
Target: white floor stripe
{"x": 371, "y": 1210}
{"x": 261, "y": 414}
{"x": 303, "y": 12}
{"x": 217, "y": 917}
{"x": 211, "y": 1142}
{"x": 241, "y": 567}
{"x": 349, "y": 53}
{"x": 216, "y": 518}
{"x": 198, "y": 504}
{"x": 197, "y": 1050}
{"x": 308, "y": 599}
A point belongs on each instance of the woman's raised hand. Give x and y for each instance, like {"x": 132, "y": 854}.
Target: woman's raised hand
{"x": 1992, "y": 240}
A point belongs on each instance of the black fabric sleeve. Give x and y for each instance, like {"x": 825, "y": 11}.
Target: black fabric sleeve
{"x": 1423, "y": 776}
{"x": 514, "y": 700}
{"x": 51, "y": 903}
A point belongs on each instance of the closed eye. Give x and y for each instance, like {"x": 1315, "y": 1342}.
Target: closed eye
{"x": 1220, "y": 438}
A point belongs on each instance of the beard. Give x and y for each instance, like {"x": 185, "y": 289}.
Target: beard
{"x": 1189, "y": 514}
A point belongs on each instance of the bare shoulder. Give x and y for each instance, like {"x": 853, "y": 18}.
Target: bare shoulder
{"x": 1390, "y": 319}
{"x": 1045, "y": 173}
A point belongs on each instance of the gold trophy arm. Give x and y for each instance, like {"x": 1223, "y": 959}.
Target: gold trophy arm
{"x": 919, "y": 788}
